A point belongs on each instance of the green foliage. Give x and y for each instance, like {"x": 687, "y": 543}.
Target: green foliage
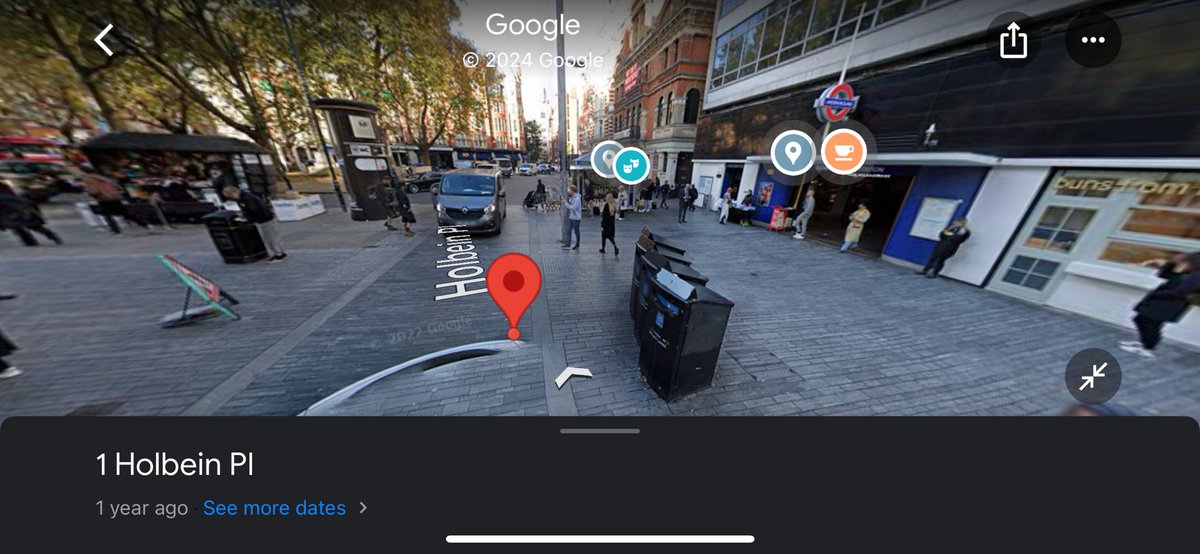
{"x": 533, "y": 139}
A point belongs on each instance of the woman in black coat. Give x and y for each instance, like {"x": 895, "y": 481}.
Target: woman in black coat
{"x": 948, "y": 242}
{"x": 608, "y": 224}
{"x": 1165, "y": 304}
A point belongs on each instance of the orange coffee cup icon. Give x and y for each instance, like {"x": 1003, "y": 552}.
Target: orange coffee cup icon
{"x": 844, "y": 151}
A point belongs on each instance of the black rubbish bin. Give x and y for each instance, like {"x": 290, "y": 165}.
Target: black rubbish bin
{"x": 664, "y": 244}
{"x": 237, "y": 241}
{"x": 639, "y": 295}
{"x": 682, "y": 334}
{"x": 646, "y": 243}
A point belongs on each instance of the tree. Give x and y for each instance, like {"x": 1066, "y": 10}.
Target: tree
{"x": 45, "y": 27}
{"x": 146, "y": 98}
{"x": 533, "y": 139}
{"x": 208, "y": 50}
{"x": 41, "y": 89}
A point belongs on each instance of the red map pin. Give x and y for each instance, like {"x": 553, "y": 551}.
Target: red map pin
{"x": 514, "y": 280}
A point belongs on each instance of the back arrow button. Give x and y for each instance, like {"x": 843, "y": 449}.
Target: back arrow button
{"x": 100, "y": 36}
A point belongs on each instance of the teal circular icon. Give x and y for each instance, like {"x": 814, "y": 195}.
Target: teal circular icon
{"x": 793, "y": 152}
{"x": 631, "y": 165}
{"x": 603, "y": 156}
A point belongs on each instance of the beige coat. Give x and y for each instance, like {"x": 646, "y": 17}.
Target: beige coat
{"x": 857, "y": 220}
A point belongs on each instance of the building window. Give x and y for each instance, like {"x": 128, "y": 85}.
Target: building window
{"x": 1059, "y": 228}
{"x": 675, "y": 51}
{"x": 668, "y": 109}
{"x": 1030, "y": 272}
{"x": 788, "y": 29}
{"x": 728, "y": 6}
{"x": 666, "y": 59}
{"x": 658, "y": 113}
{"x": 691, "y": 110}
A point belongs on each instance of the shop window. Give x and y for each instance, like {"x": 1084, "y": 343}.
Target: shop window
{"x": 1031, "y": 272}
{"x": 1059, "y": 228}
{"x": 1124, "y": 252}
{"x": 1166, "y": 223}
{"x": 1190, "y": 199}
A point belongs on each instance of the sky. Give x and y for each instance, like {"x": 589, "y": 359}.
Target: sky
{"x": 600, "y": 24}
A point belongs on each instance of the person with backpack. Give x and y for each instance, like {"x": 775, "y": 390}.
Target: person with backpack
{"x": 259, "y": 212}
{"x": 1168, "y": 303}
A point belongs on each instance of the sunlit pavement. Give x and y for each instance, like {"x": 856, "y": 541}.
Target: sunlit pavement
{"x": 814, "y": 332}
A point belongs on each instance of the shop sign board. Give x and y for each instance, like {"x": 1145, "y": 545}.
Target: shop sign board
{"x": 198, "y": 284}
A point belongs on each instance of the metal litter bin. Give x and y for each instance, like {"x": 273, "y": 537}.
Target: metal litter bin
{"x": 683, "y": 329}
{"x": 238, "y": 242}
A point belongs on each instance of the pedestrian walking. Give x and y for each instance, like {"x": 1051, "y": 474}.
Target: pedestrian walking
{"x": 806, "y": 212}
{"x": 398, "y": 206}
{"x": 259, "y": 212}
{"x": 726, "y": 200}
{"x": 622, "y": 204}
{"x": 647, "y": 198}
{"x": 695, "y": 197}
{"x": 948, "y": 242}
{"x": 855, "y": 228}
{"x": 540, "y": 195}
{"x": 1166, "y": 304}
{"x": 7, "y": 347}
{"x": 20, "y": 215}
{"x": 665, "y": 192}
{"x": 685, "y": 200}
{"x": 608, "y": 225}
{"x": 574, "y": 215}
{"x": 108, "y": 196}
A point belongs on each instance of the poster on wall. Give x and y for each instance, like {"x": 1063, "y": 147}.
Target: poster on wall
{"x": 361, "y": 127}
{"x": 706, "y": 183}
{"x": 934, "y": 216}
{"x": 764, "y": 194}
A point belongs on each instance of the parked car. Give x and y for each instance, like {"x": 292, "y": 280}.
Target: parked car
{"x": 472, "y": 198}
{"x": 506, "y": 167}
{"x": 527, "y": 169}
{"x": 544, "y": 168}
{"x": 424, "y": 181}
{"x": 37, "y": 181}
{"x": 487, "y": 165}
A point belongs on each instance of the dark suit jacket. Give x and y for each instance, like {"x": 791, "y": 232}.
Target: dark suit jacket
{"x": 1170, "y": 301}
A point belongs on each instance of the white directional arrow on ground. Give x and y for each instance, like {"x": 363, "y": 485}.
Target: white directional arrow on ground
{"x": 100, "y": 36}
{"x": 1089, "y": 381}
{"x": 571, "y": 372}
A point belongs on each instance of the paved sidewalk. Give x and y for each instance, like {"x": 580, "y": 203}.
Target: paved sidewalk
{"x": 814, "y": 332}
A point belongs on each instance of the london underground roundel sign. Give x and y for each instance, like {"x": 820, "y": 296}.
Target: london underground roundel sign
{"x": 836, "y": 103}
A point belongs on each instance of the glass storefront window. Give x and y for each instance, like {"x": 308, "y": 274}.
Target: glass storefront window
{"x": 1123, "y": 252}
{"x": 1167, "y": 223}
{"x": 1059, "y": 228}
